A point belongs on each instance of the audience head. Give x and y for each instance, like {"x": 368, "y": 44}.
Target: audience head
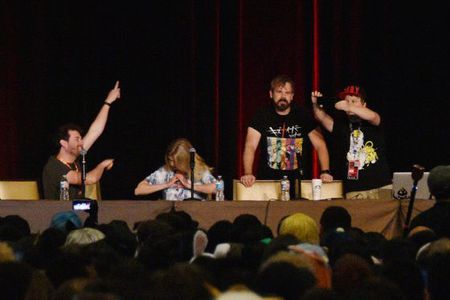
{"x": 303, "y": 227}
{"x": 439, "y": 182}
{"x": 15, "y": 280}
{"x": 219, "y": 232}
{"x": 83, "y": 236}
{"x": 66, "y": 221}
{"x": 335, "y": 217}
{"x": 285, "y": 280}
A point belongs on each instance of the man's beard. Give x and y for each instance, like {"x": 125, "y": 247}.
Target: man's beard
{"x": 282, "y": 105}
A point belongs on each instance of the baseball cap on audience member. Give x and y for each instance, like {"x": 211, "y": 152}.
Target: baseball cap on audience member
{"x": 439, "y": 182}
{"x": 353, "y": 90}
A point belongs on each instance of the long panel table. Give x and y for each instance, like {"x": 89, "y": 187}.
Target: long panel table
{"x": 385, "y": 216}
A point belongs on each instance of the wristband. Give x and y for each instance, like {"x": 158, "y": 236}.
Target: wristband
{"x": 325, "y": 172}
{"x": 107, "y": 103}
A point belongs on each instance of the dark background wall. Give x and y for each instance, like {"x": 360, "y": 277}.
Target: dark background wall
{"x": 199, "y": 69}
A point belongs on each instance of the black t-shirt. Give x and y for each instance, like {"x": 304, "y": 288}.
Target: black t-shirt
{"x": 52, "y": 175}
{"x": 285, "y": 146}
{"x": 362, "y": 142}
{"x": 437, "y": 218}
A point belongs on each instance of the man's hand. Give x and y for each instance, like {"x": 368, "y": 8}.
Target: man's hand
{"x": 248, "y": 180}
{"x": 315, "y": 95}
{"x": 326, "y": 177}
{"x": 107, "y": 164}
{"x": 113, "y": 94}
{"x": 342, "y": 105}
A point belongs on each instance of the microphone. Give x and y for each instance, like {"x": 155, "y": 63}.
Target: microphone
{"x": 192, "y": 157}
{"x": 83, "y": 151}
{"x": 326, "y": 101}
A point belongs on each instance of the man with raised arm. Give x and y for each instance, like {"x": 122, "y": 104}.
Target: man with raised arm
{"x": 70, "y": 144}
{"x": 358, "y": 137}
{"x": 284, "y": 130}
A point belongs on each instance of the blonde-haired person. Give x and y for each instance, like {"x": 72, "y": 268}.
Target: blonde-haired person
{"x": 174, "y": 177}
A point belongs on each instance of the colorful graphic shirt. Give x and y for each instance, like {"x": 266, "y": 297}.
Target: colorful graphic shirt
{"x": 283, "y": 140}
{"x": 359, "y": 144}
{"x": 177, "y": 192}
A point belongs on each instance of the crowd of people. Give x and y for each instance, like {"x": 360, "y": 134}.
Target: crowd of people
{"x": 171, "y": 257}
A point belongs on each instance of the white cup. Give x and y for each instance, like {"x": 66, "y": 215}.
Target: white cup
{"x": 316, "y": 185}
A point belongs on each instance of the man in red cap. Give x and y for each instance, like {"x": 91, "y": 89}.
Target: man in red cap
{"x": 356, "y": 130}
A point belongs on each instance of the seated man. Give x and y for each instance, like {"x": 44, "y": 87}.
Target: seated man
{"x": 70, "y": 144}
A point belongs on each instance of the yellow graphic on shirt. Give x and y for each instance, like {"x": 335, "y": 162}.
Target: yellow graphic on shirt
{"x": 365, "y": 153}
{"x": 282, "y": 152}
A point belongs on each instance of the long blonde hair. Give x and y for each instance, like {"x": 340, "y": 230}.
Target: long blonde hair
{"x": 178, "y": 159}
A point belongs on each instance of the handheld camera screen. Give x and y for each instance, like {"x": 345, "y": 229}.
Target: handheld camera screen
{"x": 81, "y": 205}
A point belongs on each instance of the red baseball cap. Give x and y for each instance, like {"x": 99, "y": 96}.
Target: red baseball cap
{"x": 353, "y": 90}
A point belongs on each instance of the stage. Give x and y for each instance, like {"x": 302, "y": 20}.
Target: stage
{"x": 385, "y": 216}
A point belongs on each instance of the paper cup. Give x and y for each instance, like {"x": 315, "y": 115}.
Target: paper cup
{"x": 316, "y": 189}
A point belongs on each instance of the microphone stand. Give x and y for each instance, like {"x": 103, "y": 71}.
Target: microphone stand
{"x": 300, "y": 173}
{"x": 192, "y": 166}
{"x": 92, "y": 219}
{"x": 83, "y": 174}
{"x": 416, "y": 175}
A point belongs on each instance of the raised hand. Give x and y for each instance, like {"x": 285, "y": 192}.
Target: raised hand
{"x": 113, "y": 94}
{"x": 315, "y": 95}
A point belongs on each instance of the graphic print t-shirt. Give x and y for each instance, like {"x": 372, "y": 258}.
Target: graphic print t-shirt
{"x": 362, "y": 142}
{"x": 284, "y": 140}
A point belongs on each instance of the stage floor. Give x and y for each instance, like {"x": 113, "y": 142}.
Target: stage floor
{"x": 384, "y": 216}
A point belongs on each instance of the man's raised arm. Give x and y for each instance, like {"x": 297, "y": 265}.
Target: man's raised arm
{"x": 97, "y": 127}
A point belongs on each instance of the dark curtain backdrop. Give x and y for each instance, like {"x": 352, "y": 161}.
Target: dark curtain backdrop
{"x": 199, "y": 69}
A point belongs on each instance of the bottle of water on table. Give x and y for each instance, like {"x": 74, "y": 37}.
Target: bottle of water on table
{"x": 285, "y": 188}
{"x": 64, "y": 189}
{"x": 220, "y": 189}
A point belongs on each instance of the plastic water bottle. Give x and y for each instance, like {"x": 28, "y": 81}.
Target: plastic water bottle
{"x": 285, "y": 187}
{"x": 220, "y": 189}
{"x": 64, "y": 189}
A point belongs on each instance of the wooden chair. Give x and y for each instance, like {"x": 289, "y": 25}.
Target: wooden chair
{"x": 330, "y": 190}
{"x": 261, "y": 190}
{"x": 19, "y": 190}
{"x": 93, "y": 191}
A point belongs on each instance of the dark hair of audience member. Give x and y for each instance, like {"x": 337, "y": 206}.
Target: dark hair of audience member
{"x": 119, "y": 236}
{"x": 279, "y": 243}
{"x": 341, "y": 243}
{"x": 153, "y": 230}
{"x": 219, "y": 232}
{"x": 127, "y": 280}
{"x": 47, "y": 248}
{"x": 65, "y": 267}
{"x": 181, "y": 281}
{"x": 376, "y": 288}
{"x": 398, "y": 247}
{"x": 334, "y": 217}
{"x": 438, "y": 274}
{"x": 102, "y": 257}
{"x": 285, "y": 280}
{"x": 40, "y": 287}
{"x": 407, "y": 275}
{"x": 375, "y": 242}
{"x": 349, "y": 271}
{"x": 15, "y": 280}
{"x": 18, "y": 222}
{"x": 423, "y": 237}
{"x": 162, "y": 253}
{"x": 246, "y": 228}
